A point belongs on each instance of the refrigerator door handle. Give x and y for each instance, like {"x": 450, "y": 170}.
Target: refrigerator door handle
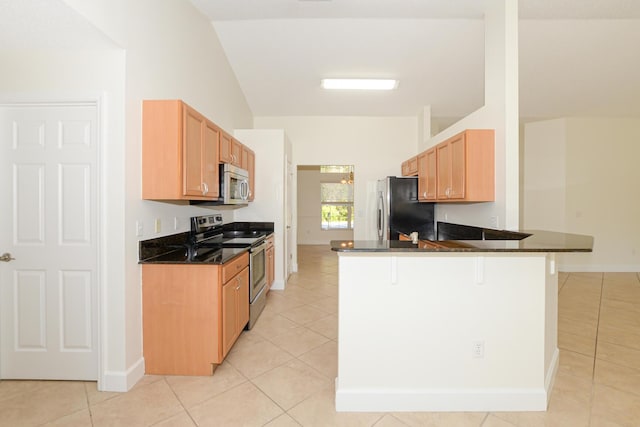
{"x": 380, "y": 217}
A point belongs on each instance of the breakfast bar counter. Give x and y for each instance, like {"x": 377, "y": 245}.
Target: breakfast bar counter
{"x": 450, "y": 325}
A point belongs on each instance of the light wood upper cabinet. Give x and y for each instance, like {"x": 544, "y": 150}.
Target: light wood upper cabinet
{"x": 230, "y": 150}
{"x": 459, "y": 169}
{"x": 179, "y": 152}
{"x": 249, "y": 163}
{"x": 466, "y": 167}
{"x": 236, "y": 152}
{"x": 225, "y": 148}
{"x": 427, "y": 175}
{"x": 410, "y": 167}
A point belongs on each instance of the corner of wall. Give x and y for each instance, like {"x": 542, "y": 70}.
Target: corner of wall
{"x": 122, "y": 381}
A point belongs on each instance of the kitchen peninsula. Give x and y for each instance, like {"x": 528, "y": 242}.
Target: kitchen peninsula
{"x": 450, "y": 325}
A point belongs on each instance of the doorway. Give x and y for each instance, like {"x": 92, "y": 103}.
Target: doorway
{"x": 325, "y": 209}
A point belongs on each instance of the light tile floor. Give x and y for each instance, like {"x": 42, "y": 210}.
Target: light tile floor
{"x": 282, "y": 372}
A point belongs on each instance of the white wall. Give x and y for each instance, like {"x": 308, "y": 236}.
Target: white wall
{"x": 544, "y": 175}
{"x": 309, "y": 218}
{"x": 168, "y": 50}
{"x": 52, "y": 75}
{"x": 500, "y": 112}
{"x": 581, "y": 177}
{"x": 272, "y": 149}
{"x": 376, "y": 146}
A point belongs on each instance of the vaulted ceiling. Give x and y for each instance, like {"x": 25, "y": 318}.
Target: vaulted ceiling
{"x": 577, "y": 57}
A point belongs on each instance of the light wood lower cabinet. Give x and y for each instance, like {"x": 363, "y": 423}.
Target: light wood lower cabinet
{"x": 192, "y": 315}
{"x": 235, "y": 308}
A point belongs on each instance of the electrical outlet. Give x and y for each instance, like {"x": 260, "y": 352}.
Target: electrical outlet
{"x": 158, "y": 225}
{"x": 176, "y": 223}
{"x": 477, "y": 349}
{"x": 139, "y": 229}
{"x": 494, "y": 222}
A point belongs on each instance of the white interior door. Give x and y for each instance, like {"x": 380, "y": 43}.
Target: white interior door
{"x": 48, "y": 192}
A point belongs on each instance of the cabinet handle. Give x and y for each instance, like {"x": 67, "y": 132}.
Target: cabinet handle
{"x": 205, "y": 188}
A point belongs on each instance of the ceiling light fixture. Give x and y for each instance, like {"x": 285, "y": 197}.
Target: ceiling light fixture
{"x": 359, "y": 84}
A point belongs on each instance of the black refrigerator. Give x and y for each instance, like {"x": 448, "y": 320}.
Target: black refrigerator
{"x": 398, "y": 209}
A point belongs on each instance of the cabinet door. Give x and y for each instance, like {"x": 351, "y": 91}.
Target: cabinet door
{"x": 229, "y": 315}
{"x": 458, "y": 168}
{"x": 443, "y": 170}
{"x": 427, "y": 175}
{"x": 236, "y": 152}
{"x": 405, "y": 168}
{"x": 271, "y": 266}
{"x": 431, "y": 179}
{"x": 251, "y": 167}
{"x": 242, "y": 299}
{"x": 192, "y": 153}
{"x": 422, "y": 176}
{"x": 210, "y": 159}
{"x": 225, "y": 148}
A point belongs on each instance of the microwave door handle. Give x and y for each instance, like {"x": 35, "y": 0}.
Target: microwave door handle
{"x": 245, "y": 190}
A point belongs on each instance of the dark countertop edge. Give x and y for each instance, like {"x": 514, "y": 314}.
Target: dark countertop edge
{"x": 264, "y": 226}
{"x": 154, "y": 259}
{"x": 537, "y": 241}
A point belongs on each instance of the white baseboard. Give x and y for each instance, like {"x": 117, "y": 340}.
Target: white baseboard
{"x": 473, "y": 400}
{"x": 550, "y": 378}
{"x": 599, "y": 268}
{"x": 452, "y": 400}
{"x": 278, "y": 285}
{"x": 122, "y": 381}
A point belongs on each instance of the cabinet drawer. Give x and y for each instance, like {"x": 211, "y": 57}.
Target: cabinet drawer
{"x": 235, "y": 266}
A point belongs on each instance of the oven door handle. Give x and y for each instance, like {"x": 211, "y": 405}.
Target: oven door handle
{"x": 261, "y": 247}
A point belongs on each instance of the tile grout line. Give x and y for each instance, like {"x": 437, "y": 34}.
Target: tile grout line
{"x": 164, "y": 378}
{"x": 86, "y": 395}
{"x": 595, "y": 351}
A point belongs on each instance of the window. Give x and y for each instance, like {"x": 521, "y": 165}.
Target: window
{"x": 336, "y": 192}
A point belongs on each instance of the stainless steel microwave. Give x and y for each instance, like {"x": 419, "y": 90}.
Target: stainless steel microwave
{"x": 234, "y": 185}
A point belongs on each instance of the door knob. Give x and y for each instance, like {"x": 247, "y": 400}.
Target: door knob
{"x": 6, "y": 257}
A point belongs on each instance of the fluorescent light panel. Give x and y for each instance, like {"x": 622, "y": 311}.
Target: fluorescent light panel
{"x": 360, "y": 84}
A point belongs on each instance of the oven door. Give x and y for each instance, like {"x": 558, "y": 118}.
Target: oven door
{"x": 257, "y": 270}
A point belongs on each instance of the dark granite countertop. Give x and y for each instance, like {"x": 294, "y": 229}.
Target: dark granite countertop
{"x": 521, "y": 241}
{"x": 172, "y": 249}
